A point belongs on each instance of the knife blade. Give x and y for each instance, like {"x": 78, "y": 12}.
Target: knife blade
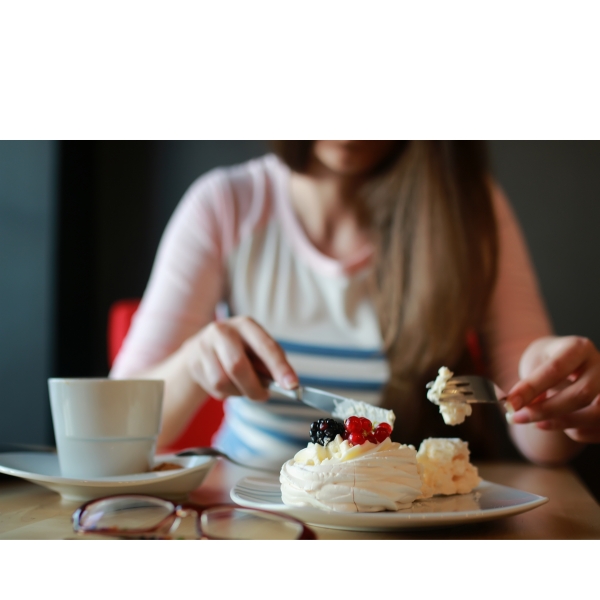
{"x": 318, "y": 399}
{"x": 337, "y": 406}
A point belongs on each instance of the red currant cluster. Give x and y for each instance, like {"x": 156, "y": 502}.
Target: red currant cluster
{"x": 359, "y": 430}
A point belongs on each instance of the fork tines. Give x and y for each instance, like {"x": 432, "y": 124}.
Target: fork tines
{"x": 471, "y": 389}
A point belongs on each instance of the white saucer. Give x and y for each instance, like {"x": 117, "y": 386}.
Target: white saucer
{"x": 486, "y": 502}
{"x": 43, "y": 468}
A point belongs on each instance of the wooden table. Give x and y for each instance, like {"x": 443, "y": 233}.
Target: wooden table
{"x": 28, "y": 511}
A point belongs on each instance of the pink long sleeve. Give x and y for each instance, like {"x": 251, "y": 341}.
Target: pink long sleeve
{"x": 517, "y": 314}
{"x": 189, "y": 276}
{"x": 186, "y": 282}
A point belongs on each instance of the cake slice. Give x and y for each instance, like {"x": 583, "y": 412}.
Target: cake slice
{"x": 352, "y": 467}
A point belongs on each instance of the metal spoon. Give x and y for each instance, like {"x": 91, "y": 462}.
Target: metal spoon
{"x": 208, "y": 451}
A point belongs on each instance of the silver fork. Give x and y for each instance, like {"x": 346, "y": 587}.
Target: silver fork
{"x": 473, "y": 389}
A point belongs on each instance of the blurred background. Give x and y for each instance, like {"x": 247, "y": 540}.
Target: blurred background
{"x": 80, "y": 222}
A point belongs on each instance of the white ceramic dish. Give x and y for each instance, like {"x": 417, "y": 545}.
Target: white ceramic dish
{"x": 487, "y": 502}
{"x": 43, "y": 468}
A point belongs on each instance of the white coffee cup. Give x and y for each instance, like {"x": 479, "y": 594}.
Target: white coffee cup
{"x": 105, "y": 427}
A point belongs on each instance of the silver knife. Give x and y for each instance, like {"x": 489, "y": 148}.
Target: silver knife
{"x": 337, "y": 406}
{"x": 319, "y": 399}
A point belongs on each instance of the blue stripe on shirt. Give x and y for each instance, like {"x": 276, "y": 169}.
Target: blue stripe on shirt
{"x": 227, "y": 441}
{"x": 331, "y": 351}
{"x": 341, "y": 384}
{"x": 282, "y": 436}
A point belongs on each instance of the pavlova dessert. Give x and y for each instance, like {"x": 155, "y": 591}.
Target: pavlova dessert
{"x": 353, "y": 466}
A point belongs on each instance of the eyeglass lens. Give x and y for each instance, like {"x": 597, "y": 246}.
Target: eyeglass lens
{"x": 125, "y": 514}
{"x": 129, "y": 513}
{"x": 240, "y": 524}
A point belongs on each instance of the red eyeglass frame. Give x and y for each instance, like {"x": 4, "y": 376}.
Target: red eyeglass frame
{"x": 307, "y": 533}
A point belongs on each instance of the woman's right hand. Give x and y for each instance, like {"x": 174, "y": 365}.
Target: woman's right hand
{"x": 218, "y": 358}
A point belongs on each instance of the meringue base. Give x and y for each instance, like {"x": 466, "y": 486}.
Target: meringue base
{"x": 366, "y": 478}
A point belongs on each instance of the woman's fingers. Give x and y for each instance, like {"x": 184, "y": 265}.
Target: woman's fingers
{"x": 571, "y": 398}
{"x": 222, "y": 355}
{"x": 582, "y": 426}
{"x": 568, "y": 376}
{"x": 564, "y": 357}
{"x": 231, "y": 352}
{"x": 207, "y": 372}
{"x": 584, "y": 435}
{"x": 585, "y": 418}
{"x": 268, "y": 351}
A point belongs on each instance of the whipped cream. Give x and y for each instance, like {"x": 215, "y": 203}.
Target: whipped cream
{"x": 345, "y": 478}
{"x": 445, "y": 468}
{"x": 350, "y": 408}
{"x": 453, "y": 411}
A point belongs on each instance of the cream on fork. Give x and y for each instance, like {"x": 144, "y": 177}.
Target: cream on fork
{"x": 454, "y": 395}
{"x": 473, "y": 389}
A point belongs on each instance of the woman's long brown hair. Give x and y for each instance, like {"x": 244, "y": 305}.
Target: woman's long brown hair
{"x": 436, "y": 245}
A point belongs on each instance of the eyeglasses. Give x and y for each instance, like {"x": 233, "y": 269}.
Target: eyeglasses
{"x": 140, "y": 516}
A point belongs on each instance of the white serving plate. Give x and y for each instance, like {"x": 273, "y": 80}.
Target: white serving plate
{"x": 487, "y": 502}
{"x": 43, "y": 469}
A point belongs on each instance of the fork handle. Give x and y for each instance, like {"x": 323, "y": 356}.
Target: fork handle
{"x": 467, "y": 400}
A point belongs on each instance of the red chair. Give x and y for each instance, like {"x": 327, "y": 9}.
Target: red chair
{"x": 202, "y": 427}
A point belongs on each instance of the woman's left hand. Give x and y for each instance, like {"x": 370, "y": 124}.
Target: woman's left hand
{"x": 560, "y": 387}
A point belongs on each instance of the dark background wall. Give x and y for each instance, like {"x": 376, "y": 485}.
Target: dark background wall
{"x": 555, "y": 190}
{"x": 28, "y": 199}
{"x": 80, "y": 223}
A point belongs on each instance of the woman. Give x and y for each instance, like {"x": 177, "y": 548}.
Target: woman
{"x": 360, "y": 267}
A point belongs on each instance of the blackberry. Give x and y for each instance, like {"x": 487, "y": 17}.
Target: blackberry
{"x": 324, "y": 431}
